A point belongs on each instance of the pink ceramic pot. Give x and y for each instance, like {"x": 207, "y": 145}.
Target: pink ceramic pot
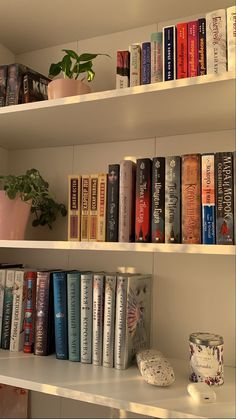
{"x": 14, "y": 215}
{"x": 67, "y": 87}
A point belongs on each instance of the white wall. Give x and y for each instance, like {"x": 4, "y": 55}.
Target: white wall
{"x": 6, "y": 56}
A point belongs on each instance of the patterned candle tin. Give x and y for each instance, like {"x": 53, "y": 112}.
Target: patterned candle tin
{"x": 206, "y": 358}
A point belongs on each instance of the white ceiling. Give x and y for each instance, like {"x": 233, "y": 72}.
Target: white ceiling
{"x": 27, "y": 25}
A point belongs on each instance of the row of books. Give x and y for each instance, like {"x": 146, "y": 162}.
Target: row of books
{"x": 186, "y": 199}
{"x": 21, "y": 84}
{"x": 189, "y": 49}
{"x": 89, "y": 317}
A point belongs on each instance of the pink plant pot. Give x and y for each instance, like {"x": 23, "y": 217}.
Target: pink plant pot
{"x": 14, "y": 215}
{"x": 67, "y": 87}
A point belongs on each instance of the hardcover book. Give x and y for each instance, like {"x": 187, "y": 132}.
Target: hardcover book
{"x": 35, "y": 86}
{"x": 202, "y": 65}
{"x": 191, "y": 199}
{"x": 18, "y": 310}
{"x": 156, "y": 57}
{"x": 98, "y": 303}
{"x": 3, "y": 84}
{"x": 192, "y": 48}
{"x": 146, "y": 63}
{"x": 30, "y": 310}
{"x": 93, "y": 208}
{"x": 85, "y": 196}
{"x": 216, "y": 41}
{"x": 132, "y": 327}
{"x": 158, "y": 200}
{"x": 14, "y": 92}
{"x": 173, "y": 199}
{"x": 113, "y": 182}
{"x": 231, "y": 38}
{"x": 169, "y": 65}
{"x": 224, "y": 198}
{"x": 208, "y": 199}
{"x": 2, "y": 289}
{"x": 122, "y": 69}
{"x": 143, "y": 201}
{"x": 60, "y": 314}
{"x": 182, "y": 50}
{"x": 74, "y": 312}
{"x": 135, "y": 65}
{"x": 7, "y": 309}
{"x": 86, "y": 317}
{"x": 127, "y": 201}
{"x": 102, "y": 207}
{"x": 109, "y": 320}
{"x": 74, "y": 207}
{"x": 234, "y": 170}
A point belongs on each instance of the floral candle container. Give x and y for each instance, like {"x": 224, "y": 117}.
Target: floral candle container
{"x": 206, "y": 358}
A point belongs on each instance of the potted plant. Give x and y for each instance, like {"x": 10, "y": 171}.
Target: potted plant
{"x": 71, "y": 66}
{"x": 20, "y": 195}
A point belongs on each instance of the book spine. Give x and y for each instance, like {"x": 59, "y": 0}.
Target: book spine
{"x": 191, "y": 199}
{"x": 224, "y": 198}
{"x": 7, "y": 309}
{"x": 172, "y": 200}
{"x": 127, "y": 201}
{"x": 42, "y": 308}
{"x": 18, "y": 308}
{"x": 216, "y": 41}
{"x": 14, "y": 84}
{"x": 143, "y": 201}
{"x": 2, "y": 289}
{"x": 202, "y": 64}
{"x": 231, "y": 38}
{"x": 85, "y": 193}
{"x": 192, "y": 48}
{"x": 74, "y": 207}
{"x": 158, "y": 200}
{"x": 74, "y": 309}
{"x": 3, "y": 84}
{"x": 182, "y": 50}
{"x": 98, "y": 302}
{"x": 93, "y": 211}
{"x": 120, "y": 323}
{"x": 208, "y": 199}
{"x": 169, "y": 71}
{"x": 234, "y": 182}
{"x": 135, "y": 65}
{"x": 113, "y": 182}
{"x": 146, "y": 63}
{"x": 156, "y": 57}
{"x": 30, "y": 308}
{"x": 35, "y": 87}
{"x": 109, "y": 321}
{"x": 60, "y": 314}
{"x": 122, "y": 69}
{"x": 86, "y": 317}
{"x": 102, "y": 206}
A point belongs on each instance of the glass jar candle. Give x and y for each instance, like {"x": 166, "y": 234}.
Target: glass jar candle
{"x": 206, "y": 358}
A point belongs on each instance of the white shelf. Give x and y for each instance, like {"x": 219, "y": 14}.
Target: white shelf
{"x": 120, "y": 247}
{"x": 198, "y": 104}
{"x": 113, "y": 388}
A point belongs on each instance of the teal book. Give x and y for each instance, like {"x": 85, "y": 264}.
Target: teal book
{"x": 60, "y": 314}
{"x": 73, "y": 304}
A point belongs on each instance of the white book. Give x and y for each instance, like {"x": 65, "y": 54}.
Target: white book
{"x": 2, "y": 289}
{"x": 216, "y": 41}
{"x": 135, "y": 65}
{"x": 17, "y": 321}
{"x": 86, "y": 317}
{"x": 98, "y": 296}
{"x": 231, "y": 37}
{"x": 109, "y": 320}
{"x": 156, "y": 57}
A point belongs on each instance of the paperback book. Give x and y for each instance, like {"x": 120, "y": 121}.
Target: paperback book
{"x": 127, "y": 201}
{"x": 143, "y": 201}
{"x": 109, "y": 320}
{"x": 156, "y": 57}
{"x": 135, "y": 65}
{"x": 169, "y": 64}
{"x": 74, "y": 207}
{"x": 173, "y": 199}
{"x": 74, "y": 314}
{"x": 60, "y": 314}
{"x": 208, "y": 199}
{"x": 216, "y": 41}
{"x": 86, "y": 317}
{"x": 146, "y": 63}
{"x": 98, "y": 303}
{"x": 30, "y": 310}
{"x": 113, "y": 182}
{"x": 7, "y": 309}
{"x": 18, "y": 310}
{"x": 182, "y": 50}
{"x": 158, "y": 200}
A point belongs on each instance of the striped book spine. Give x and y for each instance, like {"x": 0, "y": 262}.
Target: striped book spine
{"x": 18, "y": 309}
{"x": 109, "y": 320}
{"x": 86, "y": 317}
{"x": 74, "y": 312}
{"x": 208, "y": 199}
{"x": 146, "y": 63}
{"x": 98, "y": 302}
{"x": 30, "y": 311}
{"x": 60, "y": 314}
{"x": 74, "y": 207}
{"x": 2, "y": 290}
{"x": 169, "y": 67}
{"x": 7, "y": 309}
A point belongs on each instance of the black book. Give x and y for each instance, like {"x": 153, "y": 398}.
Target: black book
{"x": 113, "y": 182}
{"x": 3, "y": 84}
{"x": 158, "y": 200}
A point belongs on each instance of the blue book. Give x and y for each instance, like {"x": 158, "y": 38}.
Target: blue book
{"x": 60, "y": 314}
{"x": 208, "y": 199}
{"x": 146, "y": 63}
{"x": 73, "y": 304}
{"x": 169, "y": 69}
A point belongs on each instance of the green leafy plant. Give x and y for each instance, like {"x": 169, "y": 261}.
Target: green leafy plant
{"x": 72, "y": 65}
{"x": 32, "y": 187}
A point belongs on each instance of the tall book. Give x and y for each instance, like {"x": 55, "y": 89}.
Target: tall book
{"x": 202, "y": 64}
{"x": 74, "y": 207}
{"x": 7, "y": 309}
{"x": 30, "y": 310}
{"x": 102, "y": 207}
{"x": 135, "y": 65}
{"x": 98, "y": 304}
{"x": 146, "y": 63}
{"x": 86, "y": 317}
{"x": 113, "y": 182}
{"x": 191, "y": 199}
{"x": 156, "y": 57}
{"x": 14, "y": 92}
{"x": 35, "y": 86}
{"x": 18, "y": 311}
{"x": 2, "y": 290}
{"x": 85, "y": 196}
{"x": 158, "y": 200}
{"x": 60, "y": 314}
{"x": 231, "y": 38}
{"x": 127, "y": 201}
{"x": 181, "y": 50}
{"x": 169, "y": 42}
{"x": 208, "y": 199}
{"x": 234, "y": 182}
{"x": 216, "y": 41}
{"x": 132, "y": 327}
{"x": 224, "y": 198}
{"x": 93, "y": 208}
{"x": 192, "y": 48}
{"x": 173, "y": 199}
{"x": 74, "y": 313}
{"x": 143, "y": 201}
{"x": 3, "y": 84}
{"x": 122, "y": 69}
{"x": 109, "y": 320}
{"x": 44, "y": 321}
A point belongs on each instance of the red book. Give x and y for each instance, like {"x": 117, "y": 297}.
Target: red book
{"x": 193, "y": 48}
{"x": 143, "y": 201}
{"x": 182, "y": 50}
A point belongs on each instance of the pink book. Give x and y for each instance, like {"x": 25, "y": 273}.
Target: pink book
{"x": 193, "y": 48}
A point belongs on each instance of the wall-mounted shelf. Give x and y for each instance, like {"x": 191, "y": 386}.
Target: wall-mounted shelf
{"x": 198, "y": 104}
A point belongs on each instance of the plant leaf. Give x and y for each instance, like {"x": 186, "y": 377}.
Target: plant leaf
{"x": 66, "y": 65}
{"x": 72, "y": 54}
{"x": 55, "y": 69}
{"x": 90, "y": 75}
